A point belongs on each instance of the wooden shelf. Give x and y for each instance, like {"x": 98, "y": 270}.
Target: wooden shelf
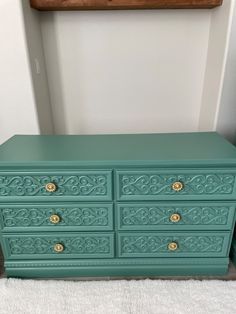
{"x": 50, "y": 5}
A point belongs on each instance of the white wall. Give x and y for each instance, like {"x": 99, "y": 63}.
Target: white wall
{"x": 18, "y": 112}
{"x": 226, "y": 118}
{"x": 116, "y": 71}
{"x": 24, "y": 95}
{"x": 126, "y": 71}
{"x": 37, "y": 67}
{"x": 218, "y": 47}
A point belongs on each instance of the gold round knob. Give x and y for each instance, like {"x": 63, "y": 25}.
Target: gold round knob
{"x": 55, "y": 219}
{"x": 175, "y": 218}
{"x": 172, "y": 246}
{"x": 58, "y": 247}
{"x": 50, "y": 187}
{"x": 177, "y": 186}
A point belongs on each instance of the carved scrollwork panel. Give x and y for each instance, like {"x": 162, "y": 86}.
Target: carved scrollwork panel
{"x": 160, "y": 215}
{"x": 66, "y": 185}
{"x": 161, "y": 184}
{"x": 69, "y": 216}
{"x": 81, "y": 245}
{"x": 154, "y": 244}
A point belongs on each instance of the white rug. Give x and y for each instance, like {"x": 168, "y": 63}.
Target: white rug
{"x": 117, "y": 297}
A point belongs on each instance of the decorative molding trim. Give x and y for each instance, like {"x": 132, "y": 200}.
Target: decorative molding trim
{"x": 119, "y": 262}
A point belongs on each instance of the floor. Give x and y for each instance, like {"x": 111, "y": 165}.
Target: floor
{"x": 117, "y": 296}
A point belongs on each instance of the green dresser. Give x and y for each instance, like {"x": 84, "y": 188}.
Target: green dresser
{"x": 233, "y": 246}
{"x": 117, "y": 205}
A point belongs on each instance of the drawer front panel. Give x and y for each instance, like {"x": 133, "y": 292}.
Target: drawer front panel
{"x": 77, "y": 185}
{"x": 184, "y": 216}
{"x": 156, "y": 244}
{"x": 74, "y": 217}
{"x": 159, "y": 184}
{"x": 66, "y": 245}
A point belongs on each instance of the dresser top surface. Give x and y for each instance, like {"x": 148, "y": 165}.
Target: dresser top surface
{"x": 118, "y": 149}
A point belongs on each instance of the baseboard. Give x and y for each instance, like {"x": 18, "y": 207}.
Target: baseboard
{"x": 158, "y": 267}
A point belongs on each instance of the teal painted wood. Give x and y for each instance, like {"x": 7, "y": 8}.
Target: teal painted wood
{"x": 206, "y": 148}
{"x": 73, "y": 217}
{"x": 76, "y": 185}
{"x": 198, "y": 184}
{"x": 123, "y": 262}
{"x": 233, "y": 251}
{"x": 41, "y": 246}
{"x": 127, "y": 271}
{"x": 233, "y": 245}
{"x": 155, "y": 244}
{"x": 82, "y": 167}
{"x": 118, "y": 267}
{"x": 193, "y": 216}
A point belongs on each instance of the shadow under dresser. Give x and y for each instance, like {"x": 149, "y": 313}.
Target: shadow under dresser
{"x": 117, "y": 205}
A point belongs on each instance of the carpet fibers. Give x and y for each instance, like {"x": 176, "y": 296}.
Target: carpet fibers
{"x": 117, "y": 297}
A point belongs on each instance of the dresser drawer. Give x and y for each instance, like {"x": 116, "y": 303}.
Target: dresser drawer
{"x": 169, "y": 244}
{"x": 176, "y": 216}
{"x": 66, "y": 217}
{"x": 73, "y": 185}
{"x": 51, "y": 245}
{"x": 175, "y": 184}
